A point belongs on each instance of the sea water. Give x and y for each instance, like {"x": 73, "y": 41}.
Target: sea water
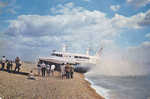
{"x": 121, "y": 87}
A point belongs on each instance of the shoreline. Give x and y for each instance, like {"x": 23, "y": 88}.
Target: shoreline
{"x": 16, "y": 86}
{"x": 89, "y": 85}
{"x": 99, "y": 90}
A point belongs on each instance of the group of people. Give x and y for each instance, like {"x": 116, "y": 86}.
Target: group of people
{"x": 44, "y": 68}
{"x": 8, "y": 64}
{"x": 67, "y": 70}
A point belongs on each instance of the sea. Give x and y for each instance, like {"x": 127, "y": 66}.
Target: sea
{"x": 120, "y": 87}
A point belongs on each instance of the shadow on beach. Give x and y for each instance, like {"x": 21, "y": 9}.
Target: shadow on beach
{"x": 21, "y": 73}
{"x": 13, "y": 72}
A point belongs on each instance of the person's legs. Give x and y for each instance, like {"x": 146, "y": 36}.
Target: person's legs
{"x": 18, "y": 68}
{"x": 3, "y": 66}
{"x": 7, "y": 68}
{"x": 39, "y": 70}
{"x": 71, "y": 74}
{"x": 19, "y": 65}
{"x": 63, "y": 74}
{"x": 67, "y": 75}
{"x": 10, "y": 68}
{"x": 52, "y": 72}
{"x": 43, "y": 71}
{"x": 15, "y": 69}
{"x": 48, "y": 72}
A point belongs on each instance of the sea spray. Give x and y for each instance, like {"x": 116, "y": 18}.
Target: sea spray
{"x": 121, "y": 74}
{"x": 119, "y": 63}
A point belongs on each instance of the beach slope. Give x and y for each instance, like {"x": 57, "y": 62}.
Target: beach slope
{"x": 17, "y": 86}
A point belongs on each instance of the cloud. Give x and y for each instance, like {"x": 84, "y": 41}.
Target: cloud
{"x": 77, "y": 27}
{"x": 146, "y": 19}
{"x": 115, "y": 7}
{"x": 138, "y": 3}
{"x": 135, "y": 22}
{"x": 68, "y": 8}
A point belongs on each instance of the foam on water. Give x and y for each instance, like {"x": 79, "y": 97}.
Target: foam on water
{"x": 121, "y": 74}
{"x": 100, "y": 90}
{"x": 118, "y": 87}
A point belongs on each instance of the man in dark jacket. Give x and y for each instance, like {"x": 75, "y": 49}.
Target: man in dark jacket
{"x": 18, "y": 64}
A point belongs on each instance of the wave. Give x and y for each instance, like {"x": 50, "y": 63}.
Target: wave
{"x": 100, "y": 90}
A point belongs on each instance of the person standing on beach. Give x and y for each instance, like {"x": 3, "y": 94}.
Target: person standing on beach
{"x": 48, "y": 69}
{"x": 39, "y": 68}
{"x": 71, "y": 71}
{"x": 8, "y": 65}
{"x": 62, "y": 67}
{"x": 67, "y": 69}
{"x": 52, "y": 69}
{"x": 11, "y": 66}
{"x": 3, "y": 62}
{"x": 43, "y": 68}
{"x": 18, "y": 64}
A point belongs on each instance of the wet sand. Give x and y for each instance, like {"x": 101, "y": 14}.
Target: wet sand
{"x": 17, "y": 86}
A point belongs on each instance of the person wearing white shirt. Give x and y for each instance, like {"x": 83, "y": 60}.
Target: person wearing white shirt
{"x": 48, "y": 69}
{"x": 62, "y": 68}
{"x": 3, "y": 63}
{"x": 52, "y": 69}
{"x": 43, "y": 66}
{"x": 31, "y": 75}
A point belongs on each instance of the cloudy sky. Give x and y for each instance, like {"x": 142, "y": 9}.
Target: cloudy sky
{"x": 31, "y": 28}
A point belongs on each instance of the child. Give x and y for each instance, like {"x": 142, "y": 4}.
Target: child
{"x": 31, "y": 75}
